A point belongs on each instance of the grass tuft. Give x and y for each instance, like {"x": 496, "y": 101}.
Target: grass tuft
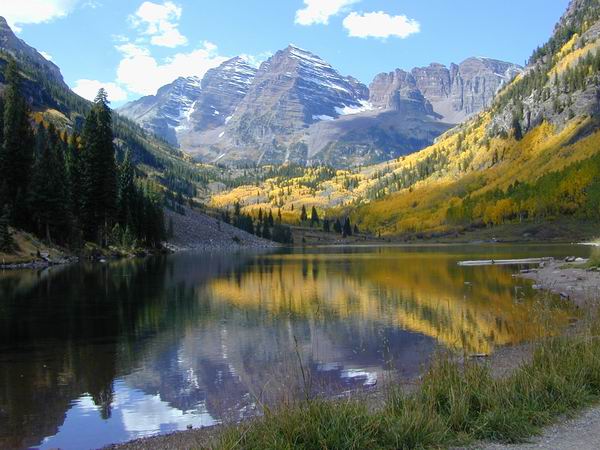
{"x": 455, "y": 405}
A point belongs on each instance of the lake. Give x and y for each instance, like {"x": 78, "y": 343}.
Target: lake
{"x": 93, "y": 354}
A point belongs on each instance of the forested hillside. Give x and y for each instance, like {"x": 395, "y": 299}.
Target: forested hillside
{"x": 534, "y": 156}
{"x": 69, "y": 188}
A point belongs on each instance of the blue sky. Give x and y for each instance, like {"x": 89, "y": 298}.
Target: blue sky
{"x": 133, "y": 46}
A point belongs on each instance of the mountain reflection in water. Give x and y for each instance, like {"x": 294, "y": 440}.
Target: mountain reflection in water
{"x": 136, "y": 348}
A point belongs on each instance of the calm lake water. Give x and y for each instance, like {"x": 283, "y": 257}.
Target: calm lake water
{"x": 94, "y": 354}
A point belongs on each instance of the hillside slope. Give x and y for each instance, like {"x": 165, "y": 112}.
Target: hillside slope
{"x": 532, "y": 156}
{"x": 54, "y": 102}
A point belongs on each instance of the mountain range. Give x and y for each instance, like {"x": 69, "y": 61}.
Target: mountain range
{"x": 297, "y": 108}
{"x": 528, "y": 159}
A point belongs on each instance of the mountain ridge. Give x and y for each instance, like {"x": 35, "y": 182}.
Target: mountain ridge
{"x": 296, "y": 109}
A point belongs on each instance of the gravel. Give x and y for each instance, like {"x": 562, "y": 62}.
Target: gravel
{"x": 197, "y": 231}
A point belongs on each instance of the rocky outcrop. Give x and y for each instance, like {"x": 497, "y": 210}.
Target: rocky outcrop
{"x": 223, "y": 89}
{"x": 10, "y": 43}
{"x": 292, "y": 90}
{"x": 193, "y": 104}
{"x": 166, "y": 113}
{"x": 451, "y": 94}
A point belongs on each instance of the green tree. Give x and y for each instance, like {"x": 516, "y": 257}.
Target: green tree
{"x": 337, "y": 226}
{"x": 48, "y": 194}
{"x": 266, "y": 231}
{"x": 127, "y": 190}
{"x": 100, "y": 172}
{"x": 270, "y": 220}
{"x": 326, "y": 225}
{"x": 347, "y": 230}
{"x": 6, "y": 242}
{"x": 314, "y": 217}
{"x": 16, "y": 152}
{"x": 303, "y": 215}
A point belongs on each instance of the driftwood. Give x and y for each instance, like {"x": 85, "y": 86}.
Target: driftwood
{"x": 504, "y": 262}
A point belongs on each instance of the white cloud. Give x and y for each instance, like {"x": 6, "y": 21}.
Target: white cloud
{"x": 89, "y": 88}
{"x": 380, "y": 25}
{"x": 160, "y": 22}
{"x": 319, "y": 11}
{"x": 141, "y": 73}
{"x": 21, "y": 12}
{"x": 48, "y": 56}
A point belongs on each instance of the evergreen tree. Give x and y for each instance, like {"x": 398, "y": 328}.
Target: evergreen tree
{"x": 337, "y": 226}
{"x": 127, "y": 190}
{"x": 282, "y": 234}
{"x": 16, "y": 153}
{"x": 303, "y": 215}
{"x": 314, "y": 217}
{"x": 6, "y": 242}
{"x": 326, "y": 225}
{"x": 279, "y": 218}
{"x": 347, "y": 230}
{"x": 74, "y": 175}
{"x": 266, "y": 231}
{"x": 270, "y": 219}
{"x": 48, "y": 190}
{"x": 100, "y": 172}
{"x": 260, "y": 215}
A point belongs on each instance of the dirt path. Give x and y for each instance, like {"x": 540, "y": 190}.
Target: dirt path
{"x": 581, "y": 433}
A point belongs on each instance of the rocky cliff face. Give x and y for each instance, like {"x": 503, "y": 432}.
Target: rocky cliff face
{"x": 297, "y": 108}
{"x": 451, "y": 94}
{"x": 19, "y": 50}
{"x": 166, "y": 113}
{"x": 223, "y": 89}
{"x": 292, "y": 90}
{"x": 192, "y": 104}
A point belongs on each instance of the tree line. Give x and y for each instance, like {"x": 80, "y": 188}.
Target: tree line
{"x": 70, "y": 189}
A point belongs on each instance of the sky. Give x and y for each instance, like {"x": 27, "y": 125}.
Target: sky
{"x": 133, "y": 47}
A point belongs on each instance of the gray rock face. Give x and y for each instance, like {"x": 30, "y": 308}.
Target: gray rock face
{"x": 453, "y": 93}
{"x": 191, "y": 104}
{"x": 297, "y": 108}
{"x": 10, "y": 43}
{"x": 292, "y": 90}
{"x": 223, "y": 89}
{"x": 166, "y": 113}
{"x": 398, "y": 91}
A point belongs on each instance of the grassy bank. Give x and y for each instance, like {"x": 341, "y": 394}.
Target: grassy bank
{"x": 455, "y": 405}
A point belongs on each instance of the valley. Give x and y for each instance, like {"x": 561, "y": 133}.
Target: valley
{"x": 268, "y": 250}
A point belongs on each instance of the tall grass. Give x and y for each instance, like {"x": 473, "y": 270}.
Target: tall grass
{"x": 455, "y": 405}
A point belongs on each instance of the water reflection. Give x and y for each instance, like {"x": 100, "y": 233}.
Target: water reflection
{"x": 135, "y": 348}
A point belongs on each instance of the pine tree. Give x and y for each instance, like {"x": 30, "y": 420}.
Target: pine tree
{"x": 270, "y": 220}
{"x": 100, "y": 172}
{"x": 48, "y": 191}
{"x": 314, "y": 217}
{"x": 74, "y": 175}
{"x": 16, "y": 155}
{"x": 127, "y": 190}
{"x": 326, "y": 225}
{"x": 6, "y": 242}
{"x": 266, "y": 231}
{"x": 303, "y": 215}
{"x": 347, "y": 230}
{"x": 337, "y": 226}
